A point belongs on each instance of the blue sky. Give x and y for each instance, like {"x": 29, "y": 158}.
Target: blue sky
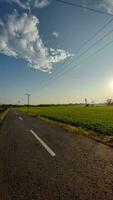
{"x": 38, "y": 40}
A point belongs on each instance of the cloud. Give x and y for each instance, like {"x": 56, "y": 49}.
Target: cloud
{"x": 106, "y": 5}
{"x": 20, "y": 38}
{"x": 29, "y": 4}
{"x": 55, "y": 34}
{"x": 41, "y": 3}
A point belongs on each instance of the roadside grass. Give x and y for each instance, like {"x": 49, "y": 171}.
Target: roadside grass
{"x": 2, "y": 115}
{"x": 105, "y": 139}
{"x": 95, "y": 122}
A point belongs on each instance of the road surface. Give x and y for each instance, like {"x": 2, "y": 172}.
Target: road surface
{"x": 39, "y": 161}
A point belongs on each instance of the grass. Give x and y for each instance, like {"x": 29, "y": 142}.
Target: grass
{"x": 98, "y": 118}
{"x": 94, "y": 122}
{"x": 1, "y": 109}
{"x": 3, "y": 113}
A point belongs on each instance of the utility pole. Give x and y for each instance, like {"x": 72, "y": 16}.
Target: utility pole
{"x": 28, "y": 96}
{"x": 86, "y": 102}
{"x": 19, "y": 103}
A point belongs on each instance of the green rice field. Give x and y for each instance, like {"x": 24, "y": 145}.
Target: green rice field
{"x": 97, "y": 118}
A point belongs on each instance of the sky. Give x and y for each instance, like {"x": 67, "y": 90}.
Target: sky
{"x": 39, "y": 42}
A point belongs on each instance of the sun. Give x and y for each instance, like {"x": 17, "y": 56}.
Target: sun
{"x": 111, "y": 84}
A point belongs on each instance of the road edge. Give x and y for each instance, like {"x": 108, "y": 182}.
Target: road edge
{"x": 98, "y": 137}
{"x": 3, "y": 115}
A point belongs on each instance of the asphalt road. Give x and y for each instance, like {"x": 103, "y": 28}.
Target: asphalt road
{"x": 39, "y": 161}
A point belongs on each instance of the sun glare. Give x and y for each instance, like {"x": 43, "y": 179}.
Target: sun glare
{"x": 111, "y": 84}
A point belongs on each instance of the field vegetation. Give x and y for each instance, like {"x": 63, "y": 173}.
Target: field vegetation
{"x": 95, "y": 118}
{"x": 3, "y": 112}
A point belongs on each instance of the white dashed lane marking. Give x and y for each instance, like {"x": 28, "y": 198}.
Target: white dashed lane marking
{"x": 20, "y": 118}
{"x": 43, "y": 144}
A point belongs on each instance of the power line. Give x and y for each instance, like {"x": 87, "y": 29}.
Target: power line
{"x": 85, "y": 43}
{"x": 85, "y": 7}
{"x": 91, "y": 38}
{"x": 94, "y": 35}
{"x": 82, "y": 54}
{"x": 84, "y": 60}
{"x": 90, "y": 47}
{"x": 93, "y": 54}
{"x": 28, "y": 96}
{"x": 81, "y": 47}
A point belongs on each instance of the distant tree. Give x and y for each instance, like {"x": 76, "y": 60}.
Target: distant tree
{"x": 109, "y": 102}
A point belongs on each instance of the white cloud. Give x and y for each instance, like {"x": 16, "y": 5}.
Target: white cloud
{"x": 20, "y": 38}
{"x": 29, "y": 4}
{"x": 55, "y": 34}
{"x": 107, "y": 5}
{"x": 41, "y": 3}
{"x": 104, "y": 5}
